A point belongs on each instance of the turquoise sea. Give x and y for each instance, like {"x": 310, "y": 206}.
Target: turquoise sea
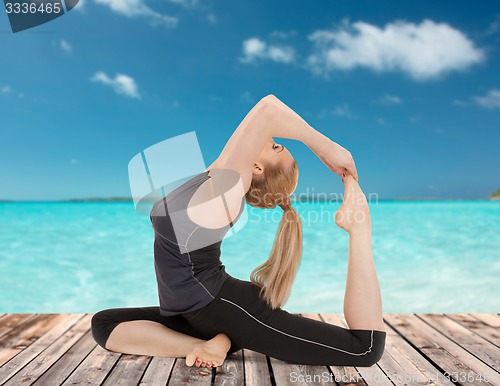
{"x": 431, "y": 256}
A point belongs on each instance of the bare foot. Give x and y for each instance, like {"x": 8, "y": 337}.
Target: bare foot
{"x": 210, "y": 353}
{"x": 354, "y": 212}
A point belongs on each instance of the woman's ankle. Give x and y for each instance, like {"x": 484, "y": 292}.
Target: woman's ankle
{"x": 361, "y": 230}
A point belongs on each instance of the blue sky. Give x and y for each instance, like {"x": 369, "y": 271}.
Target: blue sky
{"x": 412, "y": 90}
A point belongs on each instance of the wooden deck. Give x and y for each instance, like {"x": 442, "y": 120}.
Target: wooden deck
{"x": 421, "y": 349}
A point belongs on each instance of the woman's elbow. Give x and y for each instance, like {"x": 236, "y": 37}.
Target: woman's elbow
{"x": 266, "y": 107}
{"x": 268, "y": 100}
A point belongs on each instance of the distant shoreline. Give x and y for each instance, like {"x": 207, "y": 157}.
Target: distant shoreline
{"x": 301, "y": 200}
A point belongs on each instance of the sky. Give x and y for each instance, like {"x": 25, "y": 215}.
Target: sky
{"x": 411, "y": 89}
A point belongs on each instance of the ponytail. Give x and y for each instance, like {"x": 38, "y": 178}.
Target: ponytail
{"x": 277, "y": 275}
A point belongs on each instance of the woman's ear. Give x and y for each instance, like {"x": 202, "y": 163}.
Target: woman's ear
{"x": 258, "y": 168}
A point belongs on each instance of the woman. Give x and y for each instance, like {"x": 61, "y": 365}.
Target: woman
{"x": 205, "y": 314}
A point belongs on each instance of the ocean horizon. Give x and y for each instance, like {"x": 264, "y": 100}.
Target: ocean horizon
{"x": 311, "y": 199}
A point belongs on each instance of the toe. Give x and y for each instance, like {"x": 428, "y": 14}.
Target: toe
{"x": 190, "y": 359}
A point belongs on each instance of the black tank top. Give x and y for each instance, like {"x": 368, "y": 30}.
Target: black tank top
{"x": 188, "y": 269}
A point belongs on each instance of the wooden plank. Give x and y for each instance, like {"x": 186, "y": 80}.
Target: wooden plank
{"x": 22, "y": 336}
{"x": 47, "y": 354}
{"x": 342, "y": 375}
{"x": 481, "y": 348}
{"x": 492, "y": 320}
{"x": 448, "y": 355}
{"x": 94, "y": 369}
{"x": 479, "y": 327}
{"x": 292, "y": 374}
{"x": 8, "y": 322}
{"x": 190, "y": 375}
{"x": 26, "y": 355}
{"x": 404, "y": 365}
{"x": 68, "y": 362}
{"x": 232, "y": 372}
{"x": 128, "y": 370}
{"x": 372, "y": 375}
{"x": 256, "y": 369}
{"x": 58, "y": 348}
{"x": 295, "y": 374}
{"x": 158, "y": 372}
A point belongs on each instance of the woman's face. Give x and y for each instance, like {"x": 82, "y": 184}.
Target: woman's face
{"x": 273, "y": 154}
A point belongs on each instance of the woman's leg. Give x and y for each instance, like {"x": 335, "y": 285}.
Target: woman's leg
{"x": 143, "y": 331}
{"x": 144, "y": 337}
{"x": 362, "y": 300}
{"x": 239, "y": 312}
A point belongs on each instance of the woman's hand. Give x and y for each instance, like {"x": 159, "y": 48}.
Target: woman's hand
{"x": 338, "y": 159}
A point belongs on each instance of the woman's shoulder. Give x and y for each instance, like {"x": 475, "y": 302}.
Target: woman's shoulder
{"x": 178, "y": 198}
{"x": 219, "y": 200}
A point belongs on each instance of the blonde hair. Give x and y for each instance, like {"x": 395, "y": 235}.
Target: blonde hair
{"x": 277, "y": 274}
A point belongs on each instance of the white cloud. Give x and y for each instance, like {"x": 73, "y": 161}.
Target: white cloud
{"x": 7, "y": 90}
{"x": 185, "y": 3}
{"x": 254, "y": 49}
{"x": 247, "y": 97}
{"x": 122, "y": 84}
{"x": 137, "y": 8}
{"x": 282, "y": 34}
{"x": 458, "y": 102}
{"x": 494, "y": 26}
{"x": 423, "y": 51}
{"x": 490, "y": 100}
{"x": 342, "y": 111}
{"x": 66, "y": 46}
{"x": 390, "y": 100}
{"x": 215, "y": 99}
{"x": 212, "y": 19}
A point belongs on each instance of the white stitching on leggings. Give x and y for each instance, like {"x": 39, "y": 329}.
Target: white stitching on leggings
{"x": 297, "y": 337}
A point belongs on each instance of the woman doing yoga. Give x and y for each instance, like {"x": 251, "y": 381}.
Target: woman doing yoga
{"x": 206, "y": 314}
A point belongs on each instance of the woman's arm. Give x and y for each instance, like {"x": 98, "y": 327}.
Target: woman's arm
{"x": 272, "y": 118}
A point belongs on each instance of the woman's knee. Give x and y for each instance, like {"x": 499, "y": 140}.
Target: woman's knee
{"x": 102, "y": 323}
{"x": 375, "y": 351}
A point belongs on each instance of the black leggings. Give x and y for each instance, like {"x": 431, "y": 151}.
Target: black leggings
{"x": 239, "y": 312}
